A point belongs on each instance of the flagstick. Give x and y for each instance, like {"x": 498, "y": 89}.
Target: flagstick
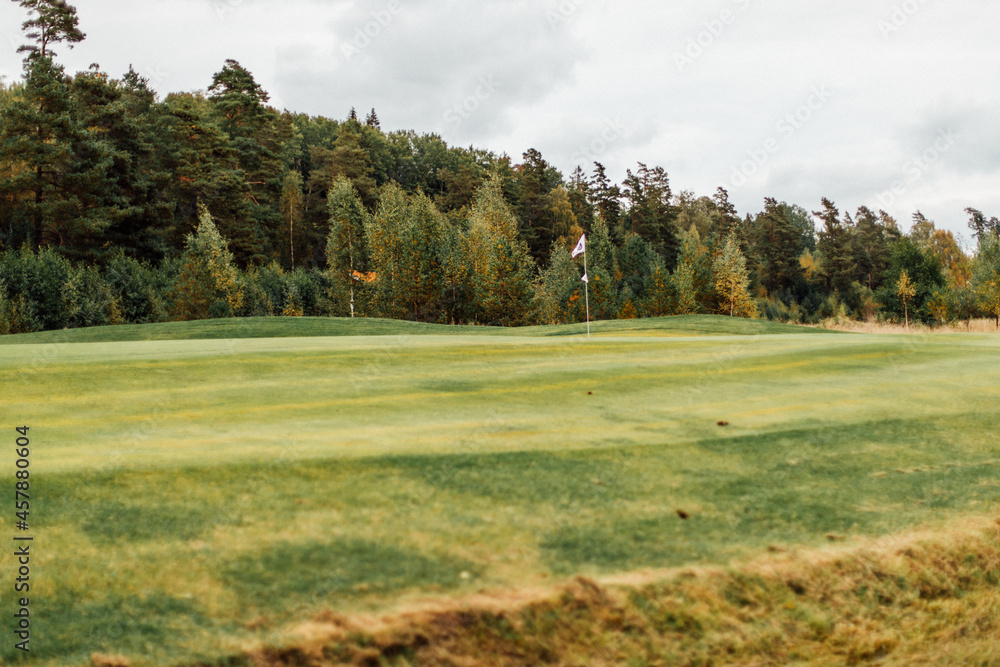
{"x": 586, "y": 289}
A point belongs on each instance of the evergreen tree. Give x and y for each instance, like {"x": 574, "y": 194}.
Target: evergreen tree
{"x": 980, "y": 225}
{"x": 257, "y": 134}
{"x": 536, "y": 179}
{"x": 580, "y": 197}
{"x": 872, "y": 246}
{"x": 350, "y": 160}
{"x": 130, "y": 122}
{"x": 54, "y": 21}
{"x": 835, "y": 245}
{"x": 649, "y": 213}
{"x": 606, "y": 196}
{"x": 371, "y": 120}
{"x": 291, "y": 209}
{"x": 209, "y": 284}
{"x": 778, "y": 242}
{"x": 636, "y": 261}
{"x": 60, "y": 171}
{"x": 239, "y": 100}
{"x": 727, "y": 221}
{"x": 205, "y": 168}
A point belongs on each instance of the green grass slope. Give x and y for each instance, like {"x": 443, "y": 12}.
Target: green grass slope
{"x": 190, "y": 496}
{"x": 304, "y": 327}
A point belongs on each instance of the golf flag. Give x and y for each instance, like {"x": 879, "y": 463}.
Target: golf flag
{"x": 585, "y": 279}
{"x": 581, "y": 246}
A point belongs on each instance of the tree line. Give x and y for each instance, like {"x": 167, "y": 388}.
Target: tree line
{"x": 118, "y": 206}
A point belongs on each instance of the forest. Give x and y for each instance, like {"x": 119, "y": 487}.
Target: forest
{"x": 119, "y": 206}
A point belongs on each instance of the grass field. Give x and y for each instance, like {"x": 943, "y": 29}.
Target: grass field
{"x": 199, "y": 488}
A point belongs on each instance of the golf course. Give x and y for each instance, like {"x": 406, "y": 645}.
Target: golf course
{"x": 687, "y": 490}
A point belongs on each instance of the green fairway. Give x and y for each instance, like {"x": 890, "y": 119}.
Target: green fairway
{"x": 304, "y": 327}
{"x": 199, "y": 485}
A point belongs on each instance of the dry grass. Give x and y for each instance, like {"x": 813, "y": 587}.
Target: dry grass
{"x": 915, "y": 599}
{"x": 872, "y": 327}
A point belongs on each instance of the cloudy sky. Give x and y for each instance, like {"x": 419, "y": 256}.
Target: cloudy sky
{"x": 884, "y": 103}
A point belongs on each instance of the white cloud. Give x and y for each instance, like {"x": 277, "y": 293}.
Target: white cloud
{"x": 561, "y": 75}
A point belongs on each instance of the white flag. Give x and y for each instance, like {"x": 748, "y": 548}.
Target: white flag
{"x": 585, "y": 279}
{"x": 581, "y": 246}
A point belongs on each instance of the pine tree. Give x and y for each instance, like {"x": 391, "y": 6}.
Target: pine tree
{"x": 130, "y": 122}
{"x": 350, "y": 160}
{"x": 55, "y": 21}
{"x": 536, "y": 179}
{"x": 209, "y": 284}
{"x": 580, "y": 199}
{"x": 60, "y": 183}
{"x": 733, "y": 282}
{"x": 205, "y": 168}
{"x": 257, "y": 134}
{"x": 371, "y": 120}
{"x": 835, "y": 244}
{"x": 777, "y": 245}
{"x": 291, "y": 209}
{"x": 980, "y": 225}
{"x": 872, "y": 246}
{"x": 727, "y": 221}
{"x": 606, "y": 196}
{"x": 650, "y": 213}
{"x": 239, "y": 99}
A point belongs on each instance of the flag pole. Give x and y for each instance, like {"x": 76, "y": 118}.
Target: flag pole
{"x": 586, "y": 289}
{"x": 581, "y": 246}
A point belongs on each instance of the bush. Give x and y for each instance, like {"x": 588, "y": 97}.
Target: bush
{"x": 132, "y": 284}
{"x": 89, "y": 298}
{"x": 17, "y": 315}
{"x": 41, "y": 280}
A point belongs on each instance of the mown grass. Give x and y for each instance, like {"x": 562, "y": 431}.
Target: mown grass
{"x": 191, "y": 496}
{"x": 305, "y": 327}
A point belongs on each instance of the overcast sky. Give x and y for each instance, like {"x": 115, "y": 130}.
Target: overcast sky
{"x": 884, "y": 103}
